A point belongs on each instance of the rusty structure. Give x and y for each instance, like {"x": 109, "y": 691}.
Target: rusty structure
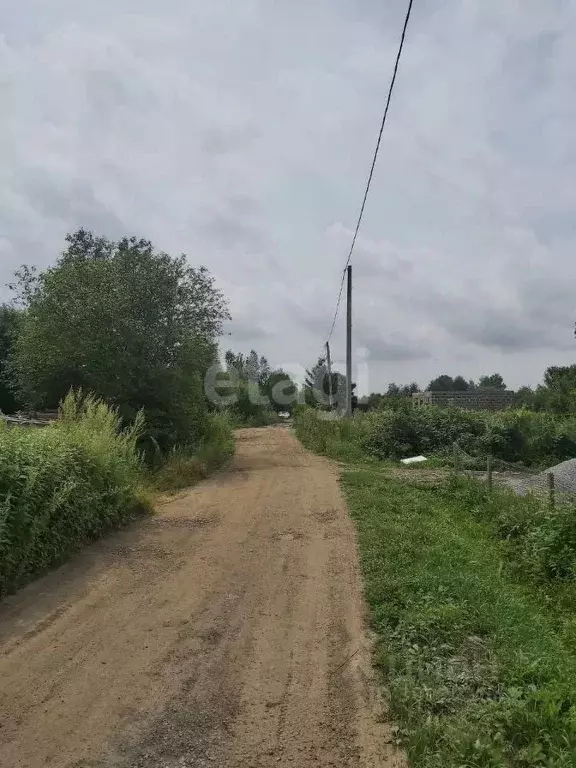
{"x": 471, "y": 400}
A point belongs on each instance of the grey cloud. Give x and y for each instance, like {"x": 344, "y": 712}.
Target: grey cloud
{"x": 241, "y": 132}
{"x": 246, "y": 330}
{"x": 231, "y": 232}
{"x": 221, "y": 140}
{"x": 70, "y": 200}
{"x": 395, "y": 348}
{"x": 106, "y": 91}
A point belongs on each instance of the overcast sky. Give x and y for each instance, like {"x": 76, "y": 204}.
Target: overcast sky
{"x": 241, "y": 132}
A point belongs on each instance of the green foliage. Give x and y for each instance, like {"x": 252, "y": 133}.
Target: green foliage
{"x": 10, "y": 321}
{"x": 184, "y": 467}
{"x": 248, "y": 368}
{"x": 65, "y": 484}
{"x": 337, "y": 438}
{"x": 319, "y": 385}
{"x": 445, "y": 383}
{"x": 495, "y": 381}
{"x": 259, "y": 392}
{"x": 479, "y": 662}
{"x": 281, "y": 391}
{"x": 396, "y": 398}
{"x": 540, "y": 540}
{"x": 135, "y": 326}
{"x": 522, "y": 436}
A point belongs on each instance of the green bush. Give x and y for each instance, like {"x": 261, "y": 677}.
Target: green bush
{"x": 65, "y": 484}
{"x": 186, "y": 466}
{"x": 533, "y": 439}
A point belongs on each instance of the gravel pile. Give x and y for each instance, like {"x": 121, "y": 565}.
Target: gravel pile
{"x": 564, "y": 476}
{"x": 564, "y": 479}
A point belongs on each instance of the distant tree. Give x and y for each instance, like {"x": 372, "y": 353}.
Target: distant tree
{"x": 248, "y": 368}
{"x": 559, "y": 392}
{"x": 317, "y": 387}
{"x": 495, "y": 381}
{"x": 372, "y": 401}
{"x": 525, "y": 398}
{"x": 393, "y": 390}
{"x": 281, "y": 391}
{"x": 460, "y": 384}
{"x": 135, "y": 326}
{"x": 264, "y": 369}
{"x": 10, "y": 321}
{"x": 560, "y": 377}
{"x": 443, "y": 383}
{"x": 258, "y": 387}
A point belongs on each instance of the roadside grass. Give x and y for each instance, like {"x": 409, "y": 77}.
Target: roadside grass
{"x": 477, "y": 650}
{"x": 185, "y": 467}
{"x": 66, "y": 484}
{"x": 82, "y": 477}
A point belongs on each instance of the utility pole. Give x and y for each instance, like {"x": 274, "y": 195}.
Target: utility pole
{"x": 349, "y": 344}
{"x": 329, "y": 366}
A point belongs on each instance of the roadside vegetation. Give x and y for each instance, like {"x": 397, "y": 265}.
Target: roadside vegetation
{"x": 471, "y": 593}
{"x": 118, "y": 337}
{"x": 122, "y": 341}
{"x": 534, "y": 439}
{"x": 66, "y": 484}
{"x": 476, "y": 640}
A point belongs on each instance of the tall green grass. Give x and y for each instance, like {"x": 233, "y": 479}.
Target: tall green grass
{"x": 65, "y": 484}
{"x": 185, "y": 466}
{"x": 521, "y": 436}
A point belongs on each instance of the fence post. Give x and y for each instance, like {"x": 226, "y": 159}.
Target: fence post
{"x": 456, "y": 458}
{"x": 489, "y": 472}
{"x": 551, "y": 490}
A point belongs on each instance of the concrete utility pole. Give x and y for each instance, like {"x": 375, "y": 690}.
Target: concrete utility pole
{"x": 329, "y": 366}
{"x": 349, "y": 344}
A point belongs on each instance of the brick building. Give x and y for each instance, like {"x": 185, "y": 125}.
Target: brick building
{"x": 472, "y": 400}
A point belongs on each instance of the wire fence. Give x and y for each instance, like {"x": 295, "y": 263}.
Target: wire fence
{"x": 522, "y": 480}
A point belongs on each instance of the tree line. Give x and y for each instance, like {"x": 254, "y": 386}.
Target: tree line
{"x": 132, "y": 325}
{"x": 136, "y": 327}
{"x": 556, "y": 394}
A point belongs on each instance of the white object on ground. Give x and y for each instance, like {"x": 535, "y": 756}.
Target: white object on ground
{"x": 414, "y": 460}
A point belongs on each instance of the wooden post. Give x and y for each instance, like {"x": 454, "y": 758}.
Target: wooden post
{"x": 455, "y": 453}
{"x": 489, "y": 473}
{"x": 551, "y": 490}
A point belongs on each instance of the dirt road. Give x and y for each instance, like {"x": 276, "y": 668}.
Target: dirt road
{"x": 226, "y": 630}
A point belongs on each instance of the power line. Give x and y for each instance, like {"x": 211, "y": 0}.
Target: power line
{"x": 368, "y": 184}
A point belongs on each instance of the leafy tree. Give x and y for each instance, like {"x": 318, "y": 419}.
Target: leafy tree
{"x": 317, "y": 387}
{"x": 443, "y": 383}
{"x": 258, "y": 387}
{"x": 281, "y": 391}
{"x": 10, "y": 320}
{"x": 525, "y": 397}
{"x": 495, "y": 381}
{"x": 559, "y": 392}
{"x": 409, "y": 389}
{"x": 460, "y": 384}
{"x": 134, "y": 326}
{"x": 250, "y": 368}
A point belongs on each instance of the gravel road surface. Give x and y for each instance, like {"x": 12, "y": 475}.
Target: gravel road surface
{"x": 226, "y": 630}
